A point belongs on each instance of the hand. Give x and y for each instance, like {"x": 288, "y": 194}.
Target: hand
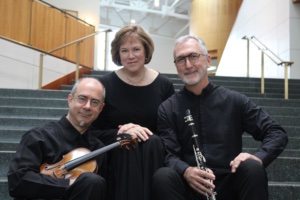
{"x": 234, "y": 164}
{"x": 140, "y": 132}
{"x": 199, "y": 180}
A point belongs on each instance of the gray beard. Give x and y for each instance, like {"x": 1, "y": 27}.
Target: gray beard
{"x": 81, "y": 123}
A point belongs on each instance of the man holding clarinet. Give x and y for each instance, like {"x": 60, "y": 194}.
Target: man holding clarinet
{"x": 202, "y": 127}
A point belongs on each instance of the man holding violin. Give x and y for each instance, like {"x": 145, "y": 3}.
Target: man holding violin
{"x": 56, "y": 144}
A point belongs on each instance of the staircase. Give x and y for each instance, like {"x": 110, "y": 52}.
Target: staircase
{"x": 23, "y": 109}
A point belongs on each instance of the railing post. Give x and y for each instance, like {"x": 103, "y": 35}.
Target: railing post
{"x": 105, "y": 48}
{"x": 77, "y": 60}
{"x": 248, "y": 58}
{"x": 41, "y": 71}
{"x": 286, "y": 83}
{"x": 262, "y": 73}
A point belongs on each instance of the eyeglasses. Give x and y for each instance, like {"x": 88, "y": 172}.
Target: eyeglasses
{"x": 83, "y": 100}
{"x": 193, "y": 57}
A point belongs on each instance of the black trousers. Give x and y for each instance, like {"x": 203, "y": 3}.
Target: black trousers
{"x": 249, "y": 182}
{"x": 88, "y": 186}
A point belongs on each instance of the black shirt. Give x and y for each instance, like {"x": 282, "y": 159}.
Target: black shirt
{"x": 46, "y": 144}
{"x": 221, "y": 117}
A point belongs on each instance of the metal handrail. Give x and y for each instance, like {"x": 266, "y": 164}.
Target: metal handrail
{"x": 22, "y": 44}
{"x": 63, "y": 46}
{"x": 273, "y": 57}
{"x": 65, "y": 12}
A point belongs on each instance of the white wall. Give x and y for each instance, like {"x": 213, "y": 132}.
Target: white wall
{"x": 276, "y": 24}
{"x": 19, "y": 67}
{"x": 295, "y": 40}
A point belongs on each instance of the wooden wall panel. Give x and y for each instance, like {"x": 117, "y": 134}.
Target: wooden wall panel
{"x": 213, "y": 21}
{"x": 48, "y": 28}
{"x": 43, "y": 27}
{"x": 87, "y": 47}
{"x": 15, "y": 19}
{"x": 77, "y": 30}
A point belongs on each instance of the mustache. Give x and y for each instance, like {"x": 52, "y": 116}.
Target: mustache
{"x": 190, "y": 71}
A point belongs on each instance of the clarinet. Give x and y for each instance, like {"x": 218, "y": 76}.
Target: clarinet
{"x": 200, "y": 159}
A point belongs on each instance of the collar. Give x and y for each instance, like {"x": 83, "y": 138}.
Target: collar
{"x": 71, "y": 131}
{"x": 204, "y": 92}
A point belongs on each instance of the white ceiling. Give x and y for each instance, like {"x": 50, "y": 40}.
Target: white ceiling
{"x": 169, "y": 20}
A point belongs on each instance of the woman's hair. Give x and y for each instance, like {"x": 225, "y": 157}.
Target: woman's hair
{"x": 128, "y": 31}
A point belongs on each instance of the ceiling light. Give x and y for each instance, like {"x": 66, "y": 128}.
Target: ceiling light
{"x": 156, "y": 3}
{"x": 132, "y": 21}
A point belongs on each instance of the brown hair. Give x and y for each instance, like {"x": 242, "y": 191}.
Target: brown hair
{"x": 141, "y": 35}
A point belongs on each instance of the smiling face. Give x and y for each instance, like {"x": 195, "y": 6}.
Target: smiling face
{"x": 132, "y": 53}
{"x": 191, "y": 72}
{"x": 85, "y": 104}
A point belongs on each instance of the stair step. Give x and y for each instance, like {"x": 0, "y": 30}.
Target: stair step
{"x": 249, "y": 142}
{"x": 284, "y": 190}
{"x": 11, "y": 134}
{"x": 276, "y": 102}
{"x": 25, "y": 122}
{"x": 284, "y": 111}
{"x": 34, "y": 102}
{"x": 10, "y": 111}
{"x": 4, "y": 92}
{"x": 286, "y": 152}
{"x": 4, "y": 189}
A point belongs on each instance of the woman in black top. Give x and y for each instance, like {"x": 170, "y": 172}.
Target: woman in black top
{"x": 134, "y": 93}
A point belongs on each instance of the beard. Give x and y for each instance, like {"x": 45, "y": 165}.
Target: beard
{"x": 81, "y": 123}
{"x": 196, "y": 78}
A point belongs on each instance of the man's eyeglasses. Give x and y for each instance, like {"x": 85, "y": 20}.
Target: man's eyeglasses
{"x": 193, "y": 57}
{"x": 83, "y": 100}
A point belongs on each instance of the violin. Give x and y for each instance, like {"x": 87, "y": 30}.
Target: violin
{"x": 82, "y": 160}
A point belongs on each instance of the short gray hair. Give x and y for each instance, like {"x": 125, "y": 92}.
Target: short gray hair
{"x": 198, "y": 39}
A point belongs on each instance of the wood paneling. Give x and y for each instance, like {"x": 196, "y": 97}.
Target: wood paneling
{"x": 48, "y": 28}
{"x": 44, "y": 27}
{"x": 213, "y": 21}
{"x": 76, "y": 30}
{"x": 15, "y": 19}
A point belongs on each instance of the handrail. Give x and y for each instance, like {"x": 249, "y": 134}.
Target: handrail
{"x": 22, "y": 44}
{"x": 63, "y": 46}
{"x": 78, "y": 40}
{"x": 273, "y": 57}
{"x": 28, "y": 46}
{"x": 65, "y": 12}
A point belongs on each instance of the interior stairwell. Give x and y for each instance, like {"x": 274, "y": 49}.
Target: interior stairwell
{"x": 22, "y": 109}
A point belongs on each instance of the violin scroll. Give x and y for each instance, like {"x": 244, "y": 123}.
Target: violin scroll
{"x": 128, "y": 141}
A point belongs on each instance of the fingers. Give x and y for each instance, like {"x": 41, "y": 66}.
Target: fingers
{"x": 234, "y": 164}
{"x": 199, "y": 180}
{"x": 142, "y": 133}
{"x": 125, "y": 127}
